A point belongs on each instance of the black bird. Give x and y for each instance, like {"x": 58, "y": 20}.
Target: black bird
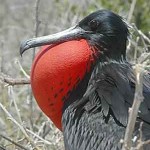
{"x": 94, "y": 110}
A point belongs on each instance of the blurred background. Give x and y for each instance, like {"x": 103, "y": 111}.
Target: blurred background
{"x": 23, "y": 19}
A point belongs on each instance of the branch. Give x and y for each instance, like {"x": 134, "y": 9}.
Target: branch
{"x": 133, "y": 112}
{"x": 2, "y": 148}
{"x": 144, "y": 36}
{"x": 13, "y": 142}
{"x": 39, "y": 137}
{"x": 131, "y": 10}
{"x": 37, "y": 22}
{"x": 11, "y": 81}
{"x": 22, "y": 129}
{"x": 21, "y": 69}
{"x": 36, "y": 30}
{"x": 141, "y": 143}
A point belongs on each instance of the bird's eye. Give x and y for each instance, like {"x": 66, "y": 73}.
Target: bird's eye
{"x": 93, "y": 24}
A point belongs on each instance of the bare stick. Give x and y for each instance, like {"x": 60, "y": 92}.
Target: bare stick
{"x": 37, "y": 22}
{"x": 135, "y": 52}
{"x": 141, "y": 144}
{"x": 20, "y": 126}
{"x": 1, "y": 58}
{"x": 138, "y": 98}
{"x": 11, "y": 81}
{"x": 131, "y": 10}
{"x": 15, "y": 104}
{"x": 39, "y": 137}
{"x": 22, "y": 70}
{"x": 36, "y": 29}
{"x": 2, "y": 148}
{"x": 13, "y": 142}
{"x": 144, "y": 36}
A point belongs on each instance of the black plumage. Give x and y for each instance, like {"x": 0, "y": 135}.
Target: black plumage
{"x": 103, "y": 110}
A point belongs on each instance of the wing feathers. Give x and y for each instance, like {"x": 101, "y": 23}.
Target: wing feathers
{"x": 114, "y": 86}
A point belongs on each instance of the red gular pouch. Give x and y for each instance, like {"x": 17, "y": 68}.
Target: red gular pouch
{"x": 56, "y": 71}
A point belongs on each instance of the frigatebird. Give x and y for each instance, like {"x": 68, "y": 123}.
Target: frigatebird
{"x": 84, "y": 83}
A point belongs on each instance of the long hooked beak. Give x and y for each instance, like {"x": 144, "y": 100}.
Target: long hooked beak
{"x": 70, "y": 34}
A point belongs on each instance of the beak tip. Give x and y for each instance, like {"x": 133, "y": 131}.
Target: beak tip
{"x": 23, "y": 47}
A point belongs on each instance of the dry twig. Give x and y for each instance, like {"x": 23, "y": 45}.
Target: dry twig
{"x": 39, "y": 137}
{"x": 11, "y": 81}
{"x": 22, "y": 70}
{"x": 19, "y": 125}
{"x": 138, "y": 98}
{"x": 37, "y": 22}
{"x": 13, "y": 142}
{"x": 131, "y": 10}
{"x": 36, "y": 30}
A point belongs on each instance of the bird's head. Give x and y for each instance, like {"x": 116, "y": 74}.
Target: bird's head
{"x": 103, "y": 29}
{"x": 107, "y": 32}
